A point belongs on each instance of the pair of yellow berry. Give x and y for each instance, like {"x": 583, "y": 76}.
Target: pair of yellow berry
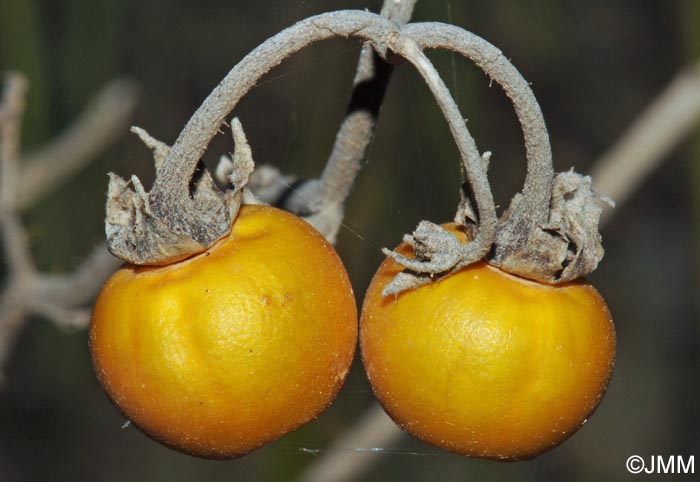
{"x": 230, "y": 349}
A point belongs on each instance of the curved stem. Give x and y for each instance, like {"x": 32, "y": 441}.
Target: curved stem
{"x": 169, "y": 197}
{"x": 473, "y": 165}
{"x": 355, "y": 133}
{"x": 321, "y": 201}
{"x": 534, "y": 209}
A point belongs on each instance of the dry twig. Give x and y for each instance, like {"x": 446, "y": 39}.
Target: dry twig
{"x": 60, "y": 298}
{"x": 323, "y": 200}
{"x": 661, "y": 127}
{"x": 100, "y": 124}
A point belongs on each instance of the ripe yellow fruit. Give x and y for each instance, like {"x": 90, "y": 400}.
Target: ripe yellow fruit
{"x": 486, "y": 364}
{"x": 230, "y": 349}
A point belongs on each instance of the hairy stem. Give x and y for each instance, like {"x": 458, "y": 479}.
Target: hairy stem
{"x": 170, "y": 199}
{"x": 473, "y": 165}
{"x": 538, "y": 182}
{"x": 355, "y": 133}
{"x": 374, "y": 428}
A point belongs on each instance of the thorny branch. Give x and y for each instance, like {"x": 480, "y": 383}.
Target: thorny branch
{"x": 58, "y": 297}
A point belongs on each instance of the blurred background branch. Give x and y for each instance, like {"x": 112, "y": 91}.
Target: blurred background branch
{"x": 667, "y": 121}
{"x": 60, "y": 298}
{"x": 100, "y": 124}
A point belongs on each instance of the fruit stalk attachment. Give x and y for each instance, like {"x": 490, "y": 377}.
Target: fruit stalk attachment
{"x": 549, "y": 233}
{"x": 138, "y": 235}
{"x": 184, "y": 213}
{"x": 321, "y": 201}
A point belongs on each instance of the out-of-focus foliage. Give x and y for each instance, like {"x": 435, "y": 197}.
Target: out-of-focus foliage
{"x": 593, "y": 64}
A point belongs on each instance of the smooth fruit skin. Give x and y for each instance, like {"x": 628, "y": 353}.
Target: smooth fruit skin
{"x": 486, "y": 364}
{"x": 233, "y": 348}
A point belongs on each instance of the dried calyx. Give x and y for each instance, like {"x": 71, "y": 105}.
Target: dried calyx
{"x": 549, "y": 233}
{"x": 565, "y": 247}
{"x": 184, "y": 213}
{"x": 138, "y": 235}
